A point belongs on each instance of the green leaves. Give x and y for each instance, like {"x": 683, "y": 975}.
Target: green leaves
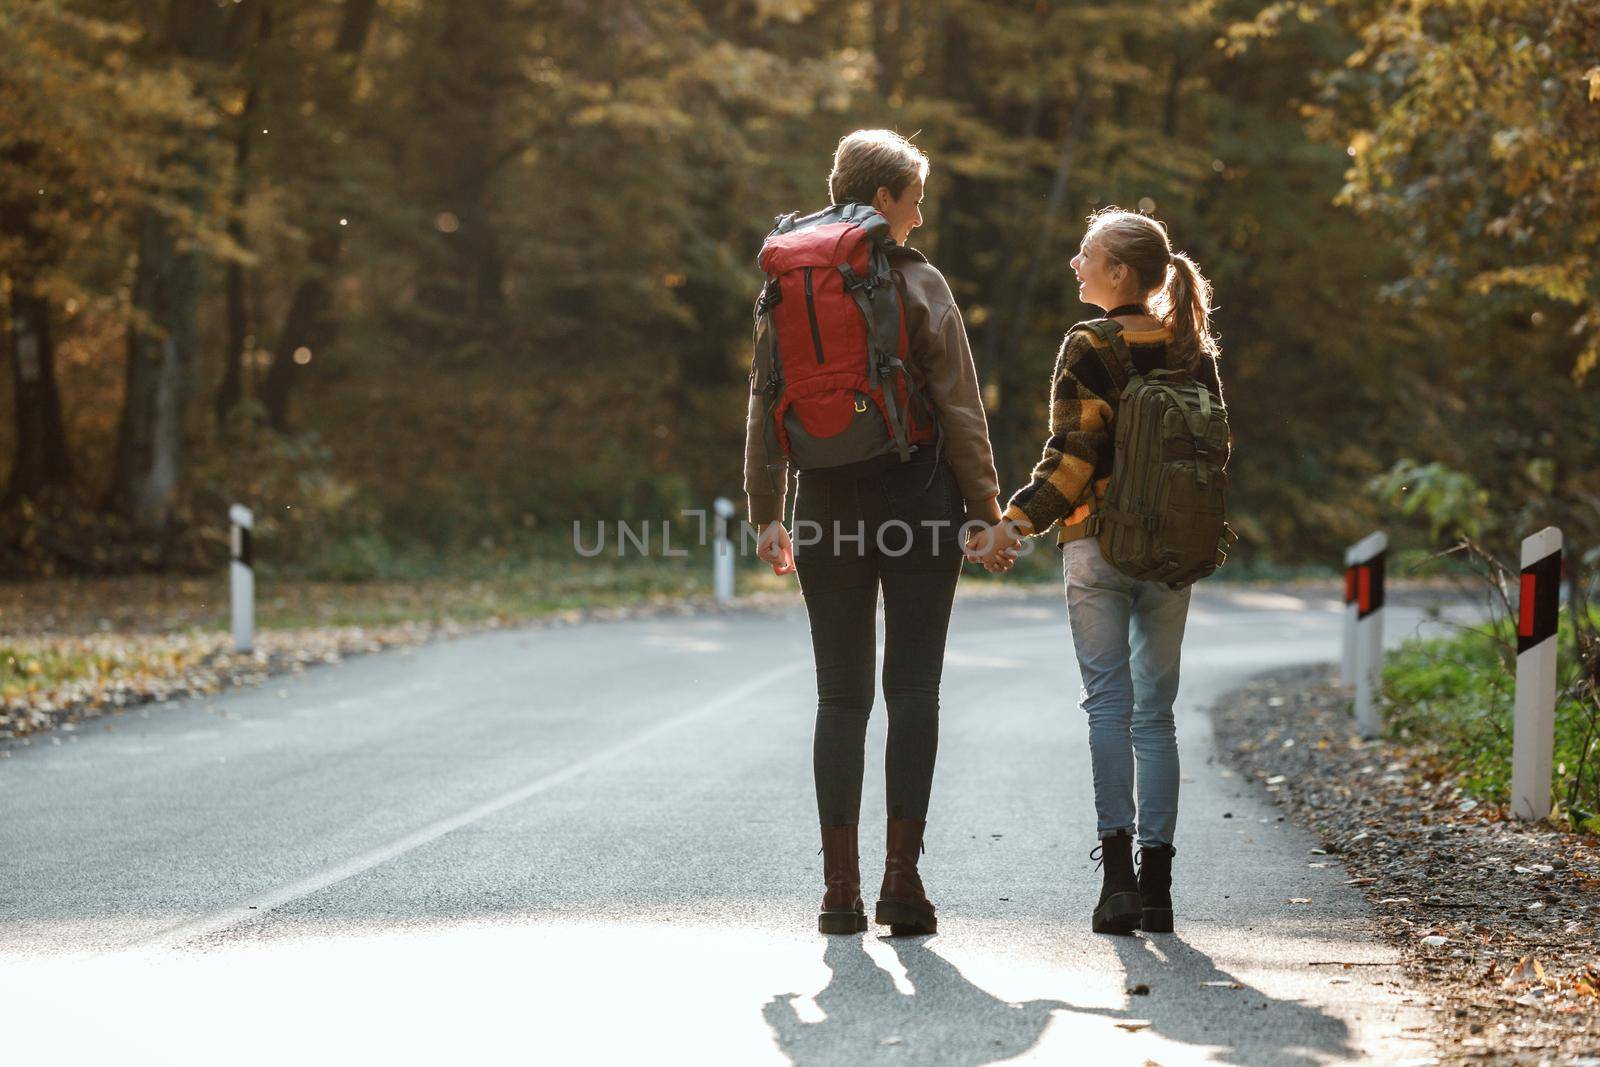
{"x": 1475, "y": 140}
{"x": 1452, "y": 501}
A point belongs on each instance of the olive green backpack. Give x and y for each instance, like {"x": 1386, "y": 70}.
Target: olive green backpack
{"x": 1164, "y": 515}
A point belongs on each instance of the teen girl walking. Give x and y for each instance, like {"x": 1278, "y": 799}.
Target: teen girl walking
{"x": 1127, "y": 633}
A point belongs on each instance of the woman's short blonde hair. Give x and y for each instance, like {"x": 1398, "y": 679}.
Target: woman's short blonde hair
{"x": 868, "y": 159}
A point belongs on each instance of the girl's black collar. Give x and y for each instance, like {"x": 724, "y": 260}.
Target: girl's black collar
{"x": 1127, "y": 309}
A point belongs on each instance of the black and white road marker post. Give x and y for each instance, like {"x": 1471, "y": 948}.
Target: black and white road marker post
{"x": 1368, "y": 555}
{"x": 1533, "y": 731}
{"x": 722, "y": 552}
{"x": 242, "y": 579}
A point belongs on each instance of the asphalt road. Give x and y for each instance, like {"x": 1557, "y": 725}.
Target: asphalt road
{"x": 597, "y": 844}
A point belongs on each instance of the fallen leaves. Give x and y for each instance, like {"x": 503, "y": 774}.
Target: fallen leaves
{"x": 1496, "y": 916}
{"x": 112, "y": 672}
{"x": 1530, "y": 986}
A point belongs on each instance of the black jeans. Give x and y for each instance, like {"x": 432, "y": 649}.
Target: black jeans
{"x": 855, "y": 527}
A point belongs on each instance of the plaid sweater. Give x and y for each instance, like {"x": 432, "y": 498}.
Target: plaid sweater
{"x": 1070, "y": 479}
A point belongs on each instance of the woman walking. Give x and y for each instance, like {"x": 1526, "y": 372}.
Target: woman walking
{"x": 1127, "y": 633}
{"x": 890, "y": 520}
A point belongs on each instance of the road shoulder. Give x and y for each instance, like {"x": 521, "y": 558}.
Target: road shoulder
{"x": 1495, "y": 920}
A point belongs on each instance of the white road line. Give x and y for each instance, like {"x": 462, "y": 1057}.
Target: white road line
{"x": 259, "y": 905}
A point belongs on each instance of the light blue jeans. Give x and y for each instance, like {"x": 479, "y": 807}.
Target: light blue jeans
{"x": 1128, "y": 635}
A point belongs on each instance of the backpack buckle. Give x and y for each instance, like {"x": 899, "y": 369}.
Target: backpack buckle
{"x": 854, "y": 281}
{"x": 771, "y": 296}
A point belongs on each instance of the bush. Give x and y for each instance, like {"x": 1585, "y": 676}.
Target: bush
{"x": 1458, "y": 694}
{"x": 304, "y": 513}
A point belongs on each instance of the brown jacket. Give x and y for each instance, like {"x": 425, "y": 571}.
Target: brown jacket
{"x": 938, "y": 346}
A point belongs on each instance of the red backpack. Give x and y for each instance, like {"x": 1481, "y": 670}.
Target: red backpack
{"x": 839, "y": 386}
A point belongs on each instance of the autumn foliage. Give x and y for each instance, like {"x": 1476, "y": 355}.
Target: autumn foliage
{"x": 447, "y": 274}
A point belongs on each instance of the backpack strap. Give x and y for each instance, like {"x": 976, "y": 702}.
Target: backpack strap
{"x": 879, "y": 302}
{"x": 1120, "y": 366}
{"x": 912, "y": 390}
{"x": 899, "y": 251}
{"x": 769, "y": 298}
{"x": 781, "y": 224}
{"x": 897, "y": 423}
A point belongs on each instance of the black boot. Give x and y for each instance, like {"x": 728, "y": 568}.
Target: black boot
{"x": 1119, "y": 910}
{"x": 1155, "y": 887}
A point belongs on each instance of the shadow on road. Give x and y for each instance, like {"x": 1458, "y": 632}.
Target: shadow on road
{"x": 866, "y": 1019}
{"x": 862, "y": 1017}
{"x": 1243, "y": 1023}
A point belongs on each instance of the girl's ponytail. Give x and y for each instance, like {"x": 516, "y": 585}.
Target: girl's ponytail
{"x": 1185, "y": 307}
{"x": 1178, "y": 294}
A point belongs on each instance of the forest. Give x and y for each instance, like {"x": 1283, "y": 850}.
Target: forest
{"x": 410, "y": 275}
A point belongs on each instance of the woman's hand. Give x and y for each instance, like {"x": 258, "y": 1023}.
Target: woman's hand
{"x": 774, "y": 547}
{"x": 996, "y": 547}
{"x": 1000, "y": 562}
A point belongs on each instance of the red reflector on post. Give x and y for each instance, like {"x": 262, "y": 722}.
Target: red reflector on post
{"x": 1349, "y": 585}
{"x": 1364, "y": 593}
{"x": 1525, "y": 616}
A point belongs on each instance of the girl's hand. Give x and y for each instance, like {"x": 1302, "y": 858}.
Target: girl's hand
{"x": 996, "y": 548}
{"x": 775, "y": 548}
{"x": 1002, "y": 561}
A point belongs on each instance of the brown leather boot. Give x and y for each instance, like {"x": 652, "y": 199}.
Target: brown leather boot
{"x": 903, "y": 906}
{"x": 842, "y": 909}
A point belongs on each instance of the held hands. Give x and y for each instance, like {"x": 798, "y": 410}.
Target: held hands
{"x": 996, "y": 547}
{"x": 775, "y": 548}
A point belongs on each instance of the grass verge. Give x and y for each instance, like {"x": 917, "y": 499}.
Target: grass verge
{"x": 1456, "y": 696}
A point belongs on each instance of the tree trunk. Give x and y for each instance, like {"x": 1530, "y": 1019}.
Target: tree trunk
{"x": 459, "y": 285}
{"x": 42, "y": 459}
{"x": 230, "y": 391}
{"x": 162, "y": 345}
{"x": 1009, "y": 329}
{"x": 1028, "y": 291}
{"x": 160, "y": 374}
{"x": 306, "y": 324}
{"x": 1169, "y": 107}
{"x": 888, "y": 26}
{"x": 355, "y": 24}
